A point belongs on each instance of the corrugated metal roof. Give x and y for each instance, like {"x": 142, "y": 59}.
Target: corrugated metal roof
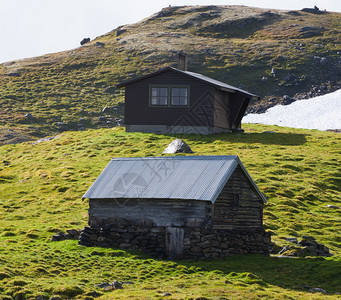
{"x": 201, "y": 77}
{"x": 178, "y": 177}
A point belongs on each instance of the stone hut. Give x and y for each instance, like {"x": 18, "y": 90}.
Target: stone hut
{"x": 177, "y": 207}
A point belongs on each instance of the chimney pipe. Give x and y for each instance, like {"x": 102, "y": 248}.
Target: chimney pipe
{"x": 182, "y": 62}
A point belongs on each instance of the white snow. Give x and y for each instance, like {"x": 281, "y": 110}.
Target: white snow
{"x": 322, "y": 112}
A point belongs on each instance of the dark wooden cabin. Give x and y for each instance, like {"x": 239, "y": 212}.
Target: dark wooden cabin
{"x": 198, "y": 206}
{"x": 177, "y": 101}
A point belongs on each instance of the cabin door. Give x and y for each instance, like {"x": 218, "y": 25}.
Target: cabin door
{"x": 174, "y": 242}
{"x": 221, "y": 111}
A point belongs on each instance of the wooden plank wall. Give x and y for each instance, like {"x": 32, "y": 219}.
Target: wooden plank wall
{"x": 238, "y": 206}
{"x": 138, "y": 111}
{"x": 162, "y": 212}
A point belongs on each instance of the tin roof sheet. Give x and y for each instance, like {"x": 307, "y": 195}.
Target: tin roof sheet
{"x": 178, "y": 177}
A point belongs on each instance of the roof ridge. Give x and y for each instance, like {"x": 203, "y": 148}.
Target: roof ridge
{"x": 193, "y": 157}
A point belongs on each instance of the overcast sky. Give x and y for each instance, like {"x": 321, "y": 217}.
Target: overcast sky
{"x": 35, "y": 27}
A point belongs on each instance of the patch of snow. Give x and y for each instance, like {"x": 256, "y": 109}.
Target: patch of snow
{"x": 322, "y": 112}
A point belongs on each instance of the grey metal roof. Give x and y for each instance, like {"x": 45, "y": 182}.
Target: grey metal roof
{"x": 177, "y": 177}
{"x": 201, "y": 77}
{"x": 217, "y": 83}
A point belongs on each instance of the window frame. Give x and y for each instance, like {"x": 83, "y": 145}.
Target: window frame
{"x": 169, "y": 95}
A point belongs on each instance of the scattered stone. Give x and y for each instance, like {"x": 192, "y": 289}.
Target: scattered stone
{"x": 100, "y": 44}
{"x": 292, "y": 240}
{"x": 307, "y": 246}
{"x": 71, "y": 234}
{"x": 84, "y": 41}
{"x": 106, "y": 109}
{"x": 284, "y": 249}
{"x": 314, "y": 10}
{"x": 333, "y": 206}
{"x": 334, "y": 130}
{"x": 274, "y": 72}
{"x": 310, "y": 31}
{"x": 178, "y": 146}
{"x": 323, "y": 60}
{"x": 317, "y": 290}
{"x": 120, "y": 30}
{"x": 103, "y": 285}
{"x": 29, "y": 116}
{"x": 115, "y": 285}
{"x": 9, "y": 136}
{"x": 166, "y": 294}
{"x": 14, "y": 73}
{"x": 110, "y": 90}
{"x": 60, "y": 124}
{"x": 45, "y": 139}
{"x": 264, "y": 79}
{"x": 287, "y": 100}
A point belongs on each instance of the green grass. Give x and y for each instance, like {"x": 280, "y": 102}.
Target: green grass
{"x": 41, "y": 187}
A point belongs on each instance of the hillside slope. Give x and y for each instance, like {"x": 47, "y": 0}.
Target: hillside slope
{"x": 268, "y": 52}
{"x": 41, "y": 186}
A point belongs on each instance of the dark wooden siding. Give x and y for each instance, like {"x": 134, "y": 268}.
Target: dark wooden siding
{"x": 199, "y": 113}
{"x": 221, "y": 110}
{"x": 238, "y": 206}
{"x": 162, "y": 212}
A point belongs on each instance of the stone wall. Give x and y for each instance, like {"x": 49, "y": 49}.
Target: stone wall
{"x": 197, "y": 242}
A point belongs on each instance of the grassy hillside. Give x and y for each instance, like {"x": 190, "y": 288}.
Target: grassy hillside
{"x": 235, "y": 44}
{"x": 40, "y": 194}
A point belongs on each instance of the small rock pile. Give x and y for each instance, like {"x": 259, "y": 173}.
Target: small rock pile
{"x": 306, "y": 247}
{"x": 71, "y": 234}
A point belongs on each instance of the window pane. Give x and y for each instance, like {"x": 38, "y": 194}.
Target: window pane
{"x": 159, "y": 96}
{"x": 183, "y": 92}
{"x": 175, "y": 92}
{"x": 179, "y": 96}
{"x": 163, "y": 101}
{"x": 163, "y": 92}
{"x": 183, "y": 101}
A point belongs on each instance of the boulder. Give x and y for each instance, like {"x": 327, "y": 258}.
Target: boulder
{"x": 84, "y": 41}
{"x": 177, "y": 146}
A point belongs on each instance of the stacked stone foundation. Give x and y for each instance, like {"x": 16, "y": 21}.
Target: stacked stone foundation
{"x": 198, "y": 242}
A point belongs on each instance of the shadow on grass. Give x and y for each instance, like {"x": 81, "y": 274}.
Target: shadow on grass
{"x": 284, "y": 139}
{"x": 290, "y": 273}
